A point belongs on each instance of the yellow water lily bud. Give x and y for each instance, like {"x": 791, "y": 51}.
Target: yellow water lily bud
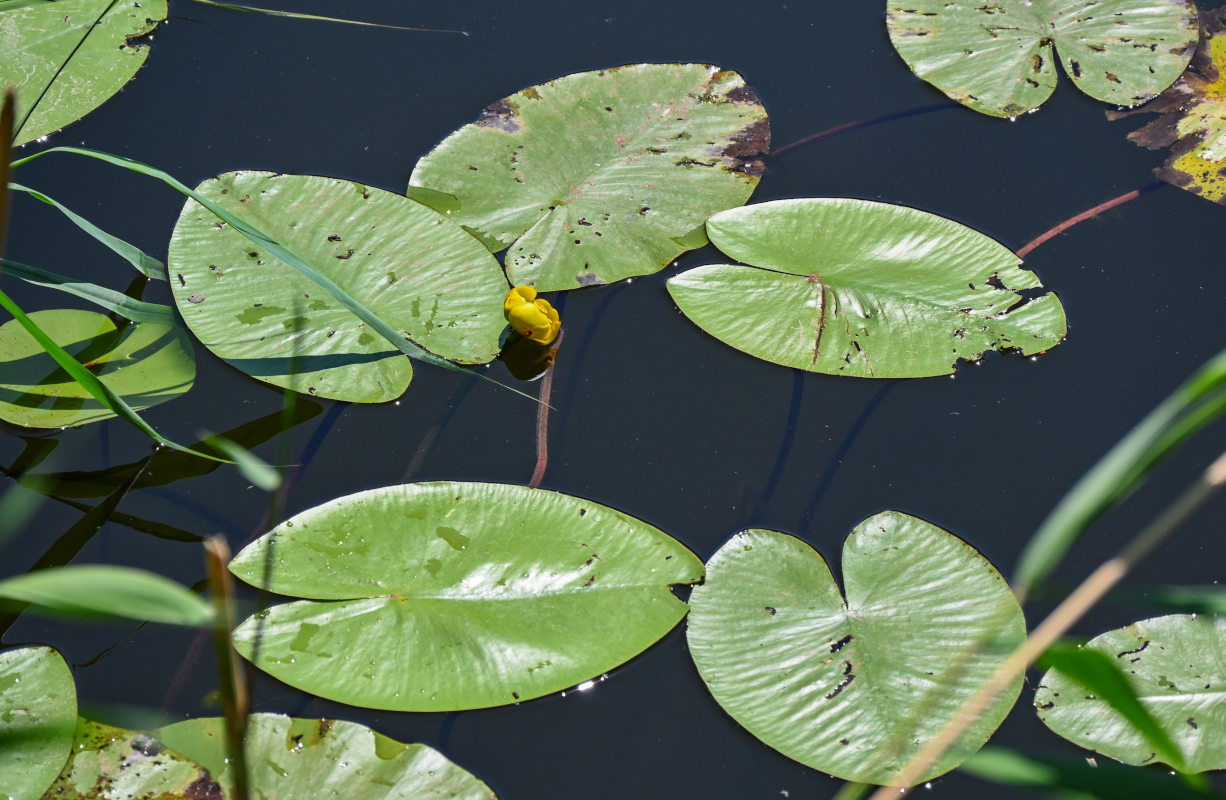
{"x": 530, "y": 316}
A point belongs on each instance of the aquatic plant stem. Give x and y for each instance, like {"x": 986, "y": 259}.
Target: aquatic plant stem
{"x": 6, "y": 138}
{"x": 542, "y": 420}
{"x": 1091, "y": 590}
{"x": 848, "y": 127}
{"x": 235, "y": 701}
{"x": 1085, "y": 215}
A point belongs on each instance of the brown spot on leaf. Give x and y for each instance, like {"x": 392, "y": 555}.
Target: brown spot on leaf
{"x": 748, "y": 147}
{"x": 500, "y": 114}
{"x": 589, "y": 279}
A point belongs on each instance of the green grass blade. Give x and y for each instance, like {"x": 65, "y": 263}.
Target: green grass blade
{"x": 1201, "y": 399}
{"x": 91, "y": 383}
{"x": 278, "y": 250}
{"x": 111, "y": 300}
{"x": 1103, "y": 677}
{"x": 1069, "y": 778}
{"x": 104, "y": 592}
{"x": 146, "y": 264}
{"x": 249, "y": 465}
{"x": 317, "y": 18}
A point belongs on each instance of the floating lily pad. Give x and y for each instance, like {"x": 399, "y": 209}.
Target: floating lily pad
{"x": 325, "y": 758}
{"x": 68, "y": 57}
{"x": 38, "y": 714}
{"x": 1193, "y": 118}
{"x": 145, "y": 364}
{"x": 998, "y": 57}
{"x": 603, "y": 175}
{"x": 130, "y": 765}
{"x": 1177, "y": 667}
{"x": 855, "y": 687}
{"x": 412, "y": 267}
{"x": 853, "y": 287}
{"x": 442, "y": 596}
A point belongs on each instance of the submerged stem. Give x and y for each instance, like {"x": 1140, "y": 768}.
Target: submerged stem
{"x": 847, "y": 127}
{"x": 1084, "y": 215}
{"x": 542, "y": 421}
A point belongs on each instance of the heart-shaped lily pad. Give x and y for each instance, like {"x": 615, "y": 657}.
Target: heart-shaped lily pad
{"x": 68, "y": 57}
{"x": 855, "y": 687}
{"x": 324, "y": 758}
{"x": 599, "y": 176}
{"x": 854, "y": 287}
{"x": 39, "y": 702}
{"x": 1177, "y": 666}
{"x": 996, "y": 56}
{"x": 442, "y": 596}
{"x": 409, "y": 265}
{"x": 145, "y": 364}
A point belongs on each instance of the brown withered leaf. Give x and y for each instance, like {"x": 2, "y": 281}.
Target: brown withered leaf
{"x": 1192, "y": 121}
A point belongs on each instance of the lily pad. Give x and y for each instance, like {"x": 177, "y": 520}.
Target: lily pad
{"x": 130, "y": 765}
{"x": 145, "y": 364}
{"x": 325, "y": 758}
{"x": 408, "y": 264}
{"x": 39, "y": 702}
{"x": 1177, "y": 667}
{"x": 68, "y": 57}
{"x": 855, "y": 687}
{"x": 854, "y": 287}
{"x": 998, "y": 57}
{"x": 599, "y": 176}
{"x": 443, "y": 596}
{"x": 1193, "y": 118}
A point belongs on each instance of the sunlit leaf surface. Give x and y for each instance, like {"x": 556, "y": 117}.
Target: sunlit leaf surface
{"x": 38, "y": 714}
{"x": 1177, "y": 666}
{"x": 872, "y": 290}
{"x": 412, "y": 267}
{"x": 441, "y": 596}
{"x": 145, "y": 364}
{"x": 68, "y": 57}
{"x": 603, "y": 175}
{"x": 854, "y": 686}
{"x": 318, "y": 758}
{"x": 998, "y": 56}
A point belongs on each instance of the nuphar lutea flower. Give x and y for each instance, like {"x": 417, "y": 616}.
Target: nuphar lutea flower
{"x": 530, "y": 316}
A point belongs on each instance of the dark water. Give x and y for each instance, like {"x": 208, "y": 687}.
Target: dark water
{"x": 653, "y": 416}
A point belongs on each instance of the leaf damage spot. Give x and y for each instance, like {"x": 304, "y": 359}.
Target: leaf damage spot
{"x": 501, "y": 115}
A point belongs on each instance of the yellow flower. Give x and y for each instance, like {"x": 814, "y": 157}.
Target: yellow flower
{"x": 530, "y": 316}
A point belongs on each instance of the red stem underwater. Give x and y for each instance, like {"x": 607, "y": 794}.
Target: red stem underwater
{"x": 1084, "y": 215}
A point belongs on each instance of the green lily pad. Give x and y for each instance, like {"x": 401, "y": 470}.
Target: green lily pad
{"x": 855, "y": 687}
{"x": 442, "y": 596}
{"x": 325, "y": 758}
{"x": 1177, "y": 667}
{"x": 854, "y": 287}
{"x": 599, "y": 176}
{"x": 38, "y": 714}
{"x": 412, "y": 267}
{"x": 997, "y": 56}
{"x": 130, "y": 765}
{"x": 68, "y": 57}
{"x": 1193, "y": 118}
{"x": 145, "y": 364}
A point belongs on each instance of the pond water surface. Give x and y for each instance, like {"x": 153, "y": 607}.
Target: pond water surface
{"x": 653, "y": 416}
